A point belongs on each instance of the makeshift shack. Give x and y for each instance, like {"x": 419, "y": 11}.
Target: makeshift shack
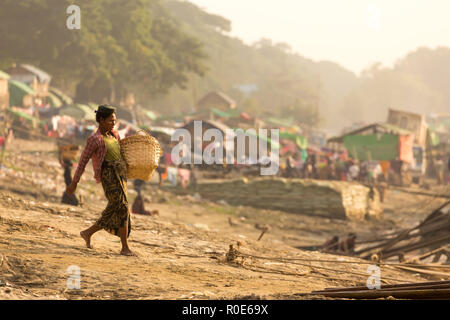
{"x": 36, "y": 78}
{"x": 377, "y": 141}
{"x": 20, "y": 94}
{"x": 416, "y": 123}
{"x": 217, "y": 100}
{"x": 4, "y": 91}
{"x": 23, "y": 123}
{"x": 387, "y": 143}
{"x": 412, "y": 122}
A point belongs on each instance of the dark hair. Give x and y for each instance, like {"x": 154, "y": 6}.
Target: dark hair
{"x": 104, "y": 111}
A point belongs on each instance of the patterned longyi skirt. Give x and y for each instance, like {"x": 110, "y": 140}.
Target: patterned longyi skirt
{"x": 114, "y": 182}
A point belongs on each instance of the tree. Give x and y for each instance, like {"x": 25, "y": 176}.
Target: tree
{"x": 122, "y": 45}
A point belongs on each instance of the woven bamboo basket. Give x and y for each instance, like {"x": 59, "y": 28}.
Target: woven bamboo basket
{"x": 69, "y": 152}
{"x": 141, "y": 152}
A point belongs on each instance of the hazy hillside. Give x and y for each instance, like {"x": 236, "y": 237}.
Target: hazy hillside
{"x": 282, "y": 77}
{"x": 169, "y": 53}
{"x": 417, "y": 82}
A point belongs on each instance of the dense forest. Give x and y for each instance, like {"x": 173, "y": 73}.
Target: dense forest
{"x": 170, "y": 53}
{"x": 122, "y": 46}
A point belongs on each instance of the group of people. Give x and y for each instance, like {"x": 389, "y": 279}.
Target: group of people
{"x": 334, "y": 168}
{"x": 67, "y": 127}
{"x": 6, "y": 135}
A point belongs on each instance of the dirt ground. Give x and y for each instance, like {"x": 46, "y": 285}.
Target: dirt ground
{"x": 181, "y": 252}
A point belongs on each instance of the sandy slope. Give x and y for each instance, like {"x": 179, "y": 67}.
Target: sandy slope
{"x": 181, "y": 252}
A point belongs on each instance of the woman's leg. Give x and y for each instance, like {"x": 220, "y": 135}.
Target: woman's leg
{"x": 87, "y": 234}
{"x": 123, "y": 233}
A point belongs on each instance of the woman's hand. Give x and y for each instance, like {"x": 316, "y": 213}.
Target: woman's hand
{"x": 71, "y": 189}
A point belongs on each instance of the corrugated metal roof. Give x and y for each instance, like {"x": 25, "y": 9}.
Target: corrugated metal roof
{"x": 221, "y": 95}
{"x": 382, "y": 127}
{"x": 41, "y": 75}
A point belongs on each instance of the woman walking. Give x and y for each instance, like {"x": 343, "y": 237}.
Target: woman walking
{"x": 109, "y": 169}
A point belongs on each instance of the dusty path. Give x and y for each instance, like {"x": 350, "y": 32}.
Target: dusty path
{"x": 176, "y": 261}
{"x": 181, "y": 252}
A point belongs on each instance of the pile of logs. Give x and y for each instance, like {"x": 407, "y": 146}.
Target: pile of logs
{"x": 431, "y": 236}
{"x": 419, "y": 290}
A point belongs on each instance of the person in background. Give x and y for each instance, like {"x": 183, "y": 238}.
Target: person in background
{"x": 184, "y": 175}
{"x": 67, "y": 165}
{"x": 309, "y": 167}
{"x": 161, "y": 168}
{"x": 353, "y": 172}
{"x": 439, "y": 167}
{"x": 348, "y": 245}
{"x": 5, "y": 136}
{"x": 4, "y": 130}
{"x": 332, "y": 170}
{"x": 364, "y": 170}
{"x": 331, "y": 244}
{"x": 289, "y": 169}
{"x": 138, "y": 206}
{"x": 193, "y": 176}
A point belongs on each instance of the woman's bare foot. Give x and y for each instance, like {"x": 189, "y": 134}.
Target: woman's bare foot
{"x": 87, "y": 239}
{"x": 127, "y": 252}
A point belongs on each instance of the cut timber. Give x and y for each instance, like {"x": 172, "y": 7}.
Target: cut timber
{"x": 334, "y": 199}
{"x": 400, "y": 294}
{"x": 416, "y": 285}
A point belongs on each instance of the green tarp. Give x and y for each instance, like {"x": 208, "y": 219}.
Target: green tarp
{"x": 17, "y": 91}
{"x": 226, "y": 114}
{"x": 302, "y": 142}
{"x": 20, "y": 114}
{"x": 65, "y": 99}
{"x": 151, "y": 115}
{"x": 280, "y": 122}
{"x": 53, "y": 100}
{"x": 4, "y": 75}
{"x": 434, "y": 138}
{"x": 372, "y": 146}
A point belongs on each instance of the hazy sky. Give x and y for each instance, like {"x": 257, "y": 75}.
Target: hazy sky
{"x": 353, "y": 33}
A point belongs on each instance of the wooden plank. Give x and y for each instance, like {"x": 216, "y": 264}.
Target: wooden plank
{"x": 426, "y": 255}
{"x": 412, "y": 247}
{"x": 390, "y": 286}
{"x": 445, "y": 274}
{"x": 403, "y": 294}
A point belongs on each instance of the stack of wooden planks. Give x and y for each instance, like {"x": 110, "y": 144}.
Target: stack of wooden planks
{"x": 431, "y": 236}
{"x": 419, "y": 290}
{"x": 333, "y": 199}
